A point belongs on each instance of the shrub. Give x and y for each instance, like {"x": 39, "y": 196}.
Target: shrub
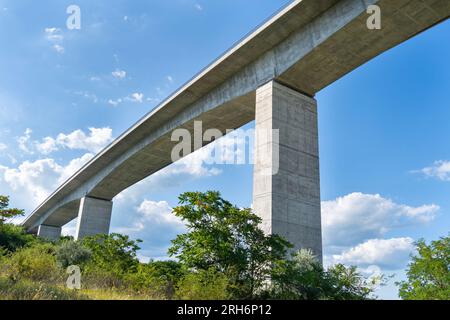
{"x": 114, "y": 253}
{"x": 203, "y": 285}
{"x": 72, "y": 253}
{"x": 304, "y": 278}
{"x": 36, "y": 263}
{"x": 14, "y": 237}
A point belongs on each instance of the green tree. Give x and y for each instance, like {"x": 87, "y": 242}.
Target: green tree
{"x": 304, "y": 278}
{"x": 228, "y": 239}
{"x": 14, "y": 237}
{"x": 8, "y": 213}
{"x": 115, "y": 253}
{"x": 347, "y": 283}
{"x": 429, "y": 272}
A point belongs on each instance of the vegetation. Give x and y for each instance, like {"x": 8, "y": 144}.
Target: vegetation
{"x": 429, "y": 272}
{"x": 226, "y": 239}
{"x": 223, "y": 255}
{"x": 8, "y": 213}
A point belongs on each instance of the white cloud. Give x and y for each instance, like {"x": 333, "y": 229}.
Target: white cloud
{"x": 3, "y": 147}
{"x": 33, "y": 178}
{"x": 439, "y": 170}
{"x": 94, "y": 141}
{"x": 357, "y": 217}
{"x": 54, "y": 34}
{"x": 24, "y": 141}
{"x": 170, "y": 79}
{"x": 136, "y": 97}
{"x": 157, "y": 213}
{"x": 198, "y": 6}
{"x": 37, "y": 179}
{"x": 115, "y": 103}
{"x": 119, "y": 74}
{"x": 67, "y": 171}
{"x": 390, "y": 254}
{"x": 48, "y": 145}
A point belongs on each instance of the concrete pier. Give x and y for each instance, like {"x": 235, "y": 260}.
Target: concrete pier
{"x": 94, "y": 217}
{"x": 49, "y": 232}
{"x": 286, "y": 173}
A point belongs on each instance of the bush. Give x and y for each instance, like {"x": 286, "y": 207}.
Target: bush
{"x": 72, "y": 253}
{"x": 203, "y": 285}
{"x": 37, "y": 263}
{"x": 13, "y": 237}
{"x": 304, "y": 278}
{"x": 114, "y": 254}
{"x": 157, "y": 278}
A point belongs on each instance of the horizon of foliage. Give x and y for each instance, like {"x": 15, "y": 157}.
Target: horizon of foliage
{"x": 223, "y": 255}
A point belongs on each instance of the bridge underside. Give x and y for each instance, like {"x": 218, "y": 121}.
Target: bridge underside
{"x": 306, "y": 47}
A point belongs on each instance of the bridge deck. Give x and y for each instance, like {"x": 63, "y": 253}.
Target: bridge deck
{"x": 306, "y": 46}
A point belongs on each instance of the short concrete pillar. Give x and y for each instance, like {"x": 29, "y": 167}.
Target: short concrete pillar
{"x": 286, "y": 181}
{"x": 94, "y": 217}
{"x": 49, "y": 232}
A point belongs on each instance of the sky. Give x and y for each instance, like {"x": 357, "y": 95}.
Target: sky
{"x": 66, "y": 94}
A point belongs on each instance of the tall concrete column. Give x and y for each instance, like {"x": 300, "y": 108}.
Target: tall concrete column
{"x": 49, "y": 232}
{"x": 94, "y": 217}
{"x": 286, "y": 181}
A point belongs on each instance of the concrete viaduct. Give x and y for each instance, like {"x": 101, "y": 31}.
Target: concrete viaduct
{"x": 271, "y": 76}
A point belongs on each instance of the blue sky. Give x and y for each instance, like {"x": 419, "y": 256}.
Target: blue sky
{"x": 65, "y": 94}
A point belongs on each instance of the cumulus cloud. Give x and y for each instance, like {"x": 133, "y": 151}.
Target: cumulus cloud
{"x": 37, "y": 179}
{"x": 390, "y": 254}
{"x": 151, "y": 221}
{"x": 67, "y": 171}
{"x": 157, "y": 212}
{"x": 47, "y": 145}
{"x": 439, "y": 170}
{"x": 357, "y": 217}
{"x": 93, "y": 141}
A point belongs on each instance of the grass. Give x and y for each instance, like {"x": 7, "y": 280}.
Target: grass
{"x": 31, "y": 290}
{"x": 28, "y": 290}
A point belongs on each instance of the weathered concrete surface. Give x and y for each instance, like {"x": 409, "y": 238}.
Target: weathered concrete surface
{"x": 307, "y": 46}
{"x": 94, "y": 217}
{"x": 49, "y": 232}
{"x": 286, "y": 183}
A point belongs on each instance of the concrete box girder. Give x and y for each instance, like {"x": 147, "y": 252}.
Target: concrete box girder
{"x": 307, "y": 46}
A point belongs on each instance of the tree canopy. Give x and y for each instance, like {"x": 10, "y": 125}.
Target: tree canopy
{"x": 428, "y": 274}
{"x": 8, "y": 213}
{"x": 227, "y": 238}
